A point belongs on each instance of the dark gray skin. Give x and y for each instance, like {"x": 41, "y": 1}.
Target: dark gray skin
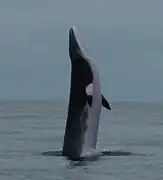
{"x": 81, "y": 77}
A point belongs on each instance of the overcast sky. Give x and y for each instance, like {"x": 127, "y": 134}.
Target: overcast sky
{"x": 124, "y": 37}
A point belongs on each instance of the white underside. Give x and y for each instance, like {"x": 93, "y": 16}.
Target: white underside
{"x": 92, "y": 121}
{"x": 91, "y": 134}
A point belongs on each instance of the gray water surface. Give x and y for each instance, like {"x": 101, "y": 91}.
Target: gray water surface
{"x": 29, "y": 128}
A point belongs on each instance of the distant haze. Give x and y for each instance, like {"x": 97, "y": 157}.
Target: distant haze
{"x": 124, "y": 37}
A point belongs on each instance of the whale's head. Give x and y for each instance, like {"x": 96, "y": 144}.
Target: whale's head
{"x": 75, "y": 47}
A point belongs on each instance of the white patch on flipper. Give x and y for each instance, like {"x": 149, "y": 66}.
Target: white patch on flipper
{"x": 89, "y": 89}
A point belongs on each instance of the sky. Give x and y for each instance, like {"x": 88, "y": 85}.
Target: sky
{"x": 125, "y": 39}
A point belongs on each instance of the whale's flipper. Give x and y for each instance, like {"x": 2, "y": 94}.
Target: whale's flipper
{"x": 104, "y": 101}
{"x": 82, "y": 120}
{"x": 89, "y": 100}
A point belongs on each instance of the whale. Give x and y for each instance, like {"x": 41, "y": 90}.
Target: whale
{"x": 85, "y": 101}
{"x": 84, "y": 109}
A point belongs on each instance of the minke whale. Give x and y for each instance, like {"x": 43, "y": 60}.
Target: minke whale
{"x": 84, "y": 107}
{"x": 85, "y": 103}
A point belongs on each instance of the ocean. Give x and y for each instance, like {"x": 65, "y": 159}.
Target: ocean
{"x": 29, "y": 128}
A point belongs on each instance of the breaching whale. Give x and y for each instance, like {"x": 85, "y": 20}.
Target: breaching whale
{"x": 84, "y": 108}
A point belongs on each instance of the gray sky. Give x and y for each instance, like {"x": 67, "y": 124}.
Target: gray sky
{"x": 124, "y": 37}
